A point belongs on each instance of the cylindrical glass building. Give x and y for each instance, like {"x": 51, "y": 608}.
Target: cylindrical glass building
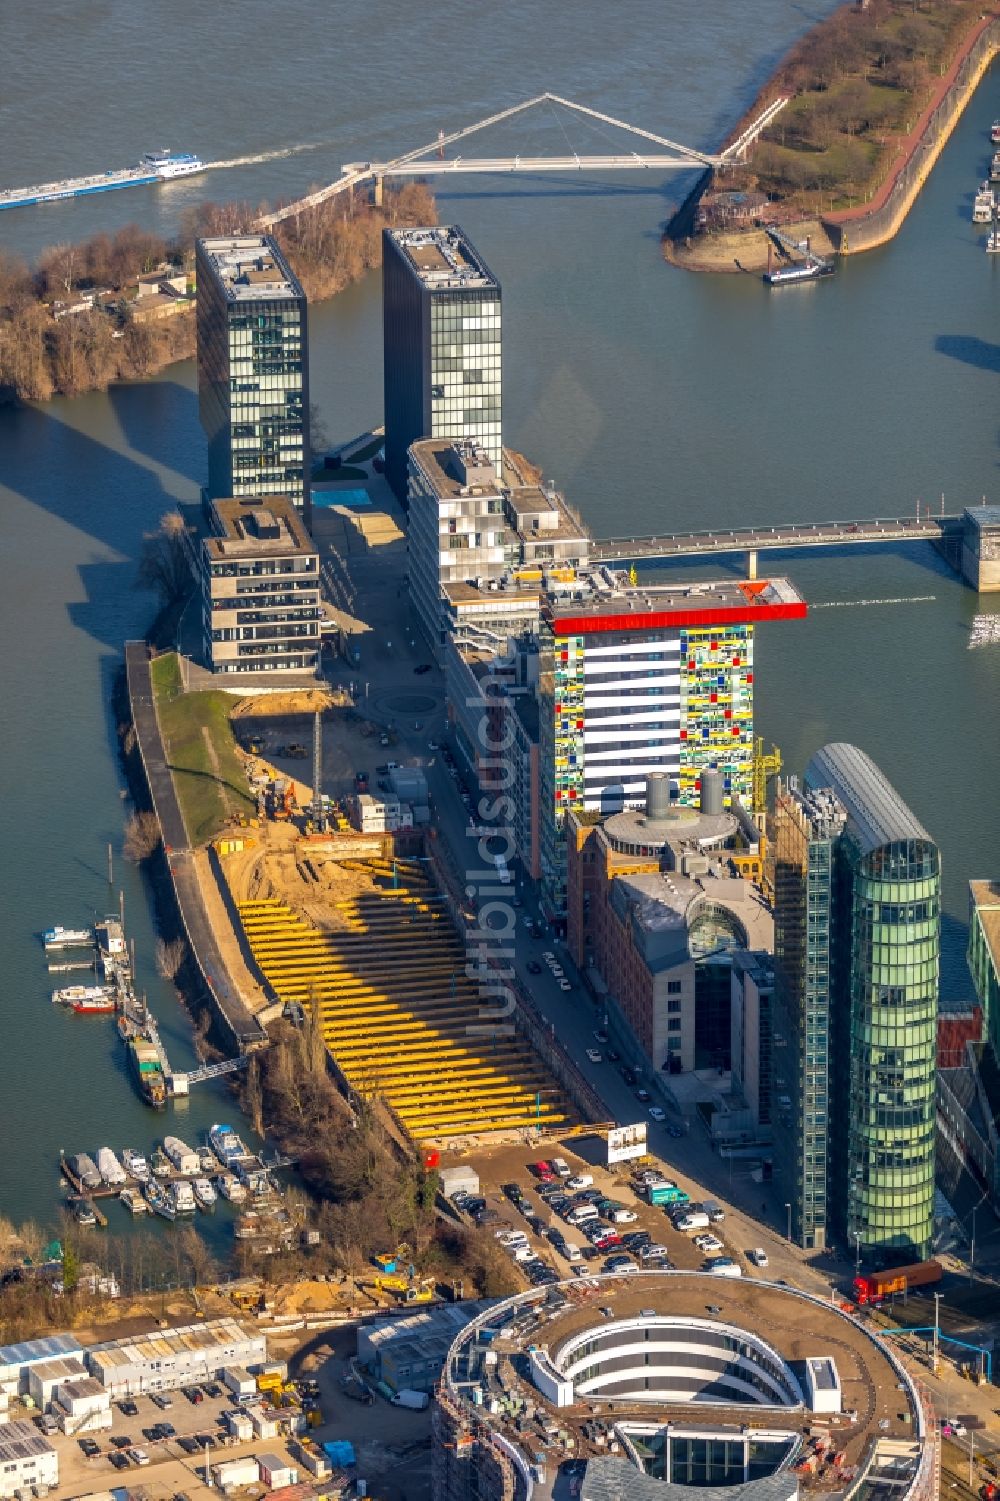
{"x": 886, "y": 952}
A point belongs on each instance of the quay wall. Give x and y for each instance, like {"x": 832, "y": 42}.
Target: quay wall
{"x": 237, "y": 1021}
{"x": 855, "y": 230}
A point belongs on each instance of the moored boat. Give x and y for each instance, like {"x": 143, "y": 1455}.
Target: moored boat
{"x": 83, "y": 1212}
{"x": 133, "y": 1200}
{"x": 226, "y": 1145}
{"x": 231, "y": 1188}
{"x": 66, "y": 938}
{"x": 160, "y": 1163}
{"x": 204, "y": 1193}
{"x": 135, "y": 1164}
{"x": 147, "y": 1069}
{"x": 84, "y": 1169}
{"x": 995, "y": 133}
{"x": 86, "y": 997}
{"x": 157, "y": 1200}
{"x": 110, "y": 1168}
{"x": 181, "y": 1195}
{"x": 982, "y": 207}
{"x": 181, "y": 1155}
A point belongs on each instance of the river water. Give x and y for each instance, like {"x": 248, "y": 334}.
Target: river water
{"x": 655, "y": 398}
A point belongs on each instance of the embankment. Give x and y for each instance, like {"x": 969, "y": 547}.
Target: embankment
{"x": 864, "y": 228}
{"x": 238, "y": 1023}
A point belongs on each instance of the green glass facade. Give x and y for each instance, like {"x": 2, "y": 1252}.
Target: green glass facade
{"x": 855, "y": 1030}
{"x": 894, "y": 929}
{"x": 984, "y": 954}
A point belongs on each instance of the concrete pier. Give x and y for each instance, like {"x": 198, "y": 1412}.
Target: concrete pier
{"x": 980, "y": 563}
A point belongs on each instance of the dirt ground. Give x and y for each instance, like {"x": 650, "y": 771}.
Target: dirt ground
{"x": 740, "y": 250}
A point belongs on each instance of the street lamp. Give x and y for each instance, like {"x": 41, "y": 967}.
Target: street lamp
{"x": 788, "y": 1212}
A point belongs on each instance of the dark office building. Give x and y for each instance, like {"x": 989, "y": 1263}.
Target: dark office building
{"x": 253, "y": 382}
{"x": 441, "y": 333}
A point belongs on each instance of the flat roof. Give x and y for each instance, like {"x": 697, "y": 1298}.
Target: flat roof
{"x": 986, "y": 899}
{"x": 877, "y": 814}
{"x": 444, "y": 258}
{"x": 795, "y": 1325}
{"x": 983, "y": 517}
{"x": 33, "y": 1350}
{"x": 21, "y": 1440}
{"x": 250, "y": 268}
{"x": 606, "y": 601}
{"x": 236, "y": 537}
{"x": 157, "y": 1344}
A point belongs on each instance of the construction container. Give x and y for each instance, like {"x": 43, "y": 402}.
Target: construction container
{"x": 234, "y": 1474}
{"x": 276, "y": 1472}
{"x": 455, "y": 1180}
{"x": 239, "y": 1381}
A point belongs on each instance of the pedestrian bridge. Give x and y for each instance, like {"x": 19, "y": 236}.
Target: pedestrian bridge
{"x": 787, "y": 537}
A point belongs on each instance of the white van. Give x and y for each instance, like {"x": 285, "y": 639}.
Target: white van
{"x": 503, "y": 873}
{"x": 696, "y": 1220}
{"x": 582, "y": 1215}
{"x": 724, "y": 1266}
{"x": 560, "y": 1167}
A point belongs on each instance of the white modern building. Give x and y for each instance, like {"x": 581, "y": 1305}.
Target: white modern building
{"x": 171, "y": 1358}
{"x": 82, "y": 1406}
{"x": 27, "y": 1460}
{"x": 17, "y": 1360}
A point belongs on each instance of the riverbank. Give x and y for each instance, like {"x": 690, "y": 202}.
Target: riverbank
{"x": 92, "y": 314}
{"x": 886, "y": 156}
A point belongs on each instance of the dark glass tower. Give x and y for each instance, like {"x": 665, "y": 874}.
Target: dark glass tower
{"x": 253, "y": 383}
{"x": 441, "y": 341}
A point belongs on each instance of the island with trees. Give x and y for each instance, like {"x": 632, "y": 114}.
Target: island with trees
{"x": 121, "y": 307}
{"x": 873, "y": 92}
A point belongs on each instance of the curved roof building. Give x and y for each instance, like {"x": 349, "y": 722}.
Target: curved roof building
{"x": 653, "y": 1386}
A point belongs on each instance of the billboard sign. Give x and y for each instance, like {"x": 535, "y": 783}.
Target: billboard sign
{"x": 626, "y": 1143}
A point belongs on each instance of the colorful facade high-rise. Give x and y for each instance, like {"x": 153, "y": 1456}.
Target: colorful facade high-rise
{"x": 636, "y": 680}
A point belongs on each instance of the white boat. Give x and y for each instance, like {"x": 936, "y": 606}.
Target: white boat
{"x": 110, "y": 1168}
{"x": 226, "y": 1145}
{"x": 66, "y": 938}
{"x": 207, "y": 1160}
{"x": 181, "y": 1196}
{"x": 73, "y": 995}
{"x": 136, "y": 1165}
{"x": 231, "y": 1188}
{"x": 204, "y": 1193}
{"x": 181, "y": 1155}
{"x": 982, "y": 208}
{"x": 133, "y": 1200}
{"x": 993, "y": 243}
{"x": 995, "y": 133}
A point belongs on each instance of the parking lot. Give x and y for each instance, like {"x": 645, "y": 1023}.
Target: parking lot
{"x": 569, "y": 1214}
{"x": 137, "y": 1443}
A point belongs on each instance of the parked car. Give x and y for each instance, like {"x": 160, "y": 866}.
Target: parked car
{"x": 652, "y": 1252}
{"x": 580, "y": 1180}
{"x": 600, "y": 1035}
{"x": 758, "y": 1256}
{"x": 656, "y": 1114}
{"x": 594, "y": 1056}
{"x": 620, "y": 1264}
{"x": 138, "y": 1456}
{"x": 119, "y": 1460}
{"x": 89, "y": 1447}
{"x": 162, "y": 1401}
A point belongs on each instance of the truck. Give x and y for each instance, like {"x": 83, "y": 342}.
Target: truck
{"x": 667, "y": 1193}
{"x": 407, "y": 1397}
{"x": 874, "y": 1286}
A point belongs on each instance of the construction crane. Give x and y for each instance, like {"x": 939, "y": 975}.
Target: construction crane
{"x": 765, "y": 766}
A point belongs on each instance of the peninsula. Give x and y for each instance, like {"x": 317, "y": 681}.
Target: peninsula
{"x": 873, "y": 93}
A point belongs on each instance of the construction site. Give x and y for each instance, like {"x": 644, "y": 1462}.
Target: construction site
{"x": 342, "y": 922}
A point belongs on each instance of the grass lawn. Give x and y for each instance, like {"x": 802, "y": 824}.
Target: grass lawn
{"x": 201, "y": 752}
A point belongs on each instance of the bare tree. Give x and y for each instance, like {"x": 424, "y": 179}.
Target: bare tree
{"x": 163, "y": 563}
{"x": 142, "y": 836}
{"x": 169, "y": 957}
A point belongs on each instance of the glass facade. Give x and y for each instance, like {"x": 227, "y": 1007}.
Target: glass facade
{"x": 252, "y": 371}
{"x": 984, "y": 954}
{"x": 884, "y": 949}
{"x": 441, "y": 318}
{"x": 894, "y": 927}
{"x": 805, "y": 832}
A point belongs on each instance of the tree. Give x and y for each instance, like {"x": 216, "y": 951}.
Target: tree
{"x": 163, "y": 562}
{"x": 71, "y": 1268}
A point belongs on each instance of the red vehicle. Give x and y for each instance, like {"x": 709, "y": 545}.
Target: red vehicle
{"x": 605, "y": 1242}
{"x": 543, "y": 1171}
{"x": 875, "y": 1286}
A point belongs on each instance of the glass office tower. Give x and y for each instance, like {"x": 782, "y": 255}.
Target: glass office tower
{"x": 441, "y": 345}
{"x": 253, "y": 383}
{"x": 806, "y": 829}
{"x": 886, "y": 941}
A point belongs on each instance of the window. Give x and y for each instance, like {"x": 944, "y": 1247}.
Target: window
{"x": 673, "y": 1007}
{"x": 674, "y": 1024}
{"x": 673, "y": 987}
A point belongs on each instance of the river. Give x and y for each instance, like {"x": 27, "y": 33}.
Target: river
{"x": 655, "y": 398}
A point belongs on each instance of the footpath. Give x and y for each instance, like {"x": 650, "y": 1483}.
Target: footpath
{"x": 181, "y": 859}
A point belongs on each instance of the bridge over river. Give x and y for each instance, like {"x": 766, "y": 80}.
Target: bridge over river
{"x": 970, "y": 541}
